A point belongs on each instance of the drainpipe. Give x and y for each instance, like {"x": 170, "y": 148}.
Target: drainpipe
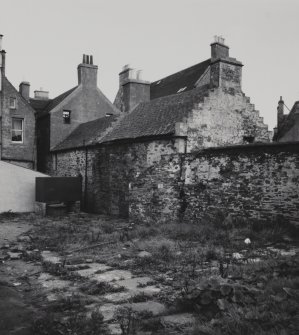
{"x": 85, "y": 186}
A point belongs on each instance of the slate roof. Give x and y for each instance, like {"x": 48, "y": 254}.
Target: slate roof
{"x": 43, "y": 107}
{"x": 287, "y": 123}
{"x": 156, "y": 117}
{"x": 86, "y": 133}
{"x": 182, "y": 79}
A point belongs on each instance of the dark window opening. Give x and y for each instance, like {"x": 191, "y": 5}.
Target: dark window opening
{"x": 248, "y": 139}
{"x": 66, "y": 116}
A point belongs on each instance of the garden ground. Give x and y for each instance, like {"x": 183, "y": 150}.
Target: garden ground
{"x": 91, "y": 274}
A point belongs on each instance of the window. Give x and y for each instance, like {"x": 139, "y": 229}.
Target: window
{"x": 66, "y": 116}
{"x": 248, "y": 139}
{"x": 12, "y": 103}
{"x": 17, "y": 130}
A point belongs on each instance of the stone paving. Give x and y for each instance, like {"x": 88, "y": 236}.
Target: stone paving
{"x": 108, "y": 303}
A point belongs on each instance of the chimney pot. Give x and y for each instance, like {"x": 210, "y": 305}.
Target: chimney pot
{"x": 1, "y": 37}
{"x": 139, "y": 75}
{"x": 91, "y": 59}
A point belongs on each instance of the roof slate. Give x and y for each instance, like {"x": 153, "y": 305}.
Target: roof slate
{"x": 156, "y": 117}
{"x": 182, "y": 79}
{"x": 86, "y": 133}
{"x": 288, "y": 122}
{"x": 43, "y": 107}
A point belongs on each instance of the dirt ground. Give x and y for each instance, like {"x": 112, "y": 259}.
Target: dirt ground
{"x": 90, "y": 274}
{"x": 16, "y": 292}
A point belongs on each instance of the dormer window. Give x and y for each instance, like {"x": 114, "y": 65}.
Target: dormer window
{"x": 66, "y": 116}
{"x": 12, "y": 103}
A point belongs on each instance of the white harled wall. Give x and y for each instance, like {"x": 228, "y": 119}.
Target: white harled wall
{"x": 17, "y": 188}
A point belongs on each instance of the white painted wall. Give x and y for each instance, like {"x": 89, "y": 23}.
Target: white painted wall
{"x": 17, "y": 188}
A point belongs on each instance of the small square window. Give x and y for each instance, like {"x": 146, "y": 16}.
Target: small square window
{"x": 17, "y": 130}
{"x": 12, "y": 103}
{"x": 248, "y": 139}
{"x": 66, "y": 116}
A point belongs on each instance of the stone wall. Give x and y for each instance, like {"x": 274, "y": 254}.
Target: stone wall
{"x": 23, "y": 154}
{"x": 109, "y": 171}
{"x": 255, "y": 181}
{"x": 224, "y": 118}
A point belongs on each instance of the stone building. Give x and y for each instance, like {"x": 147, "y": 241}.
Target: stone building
{"x": 57, "y": 118}
{"x": 17, "y": 121}
{"x": 287, "y": 129}
{"x": 200, "y": 107}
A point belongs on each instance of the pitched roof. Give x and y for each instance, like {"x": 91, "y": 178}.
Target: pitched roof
{"x": 288, "y": 122}
{"x": 43, "y": 107}
{"x": 156, "y": 117}
{"x": 86, "y": 133}
{"x": 184, "y": 79}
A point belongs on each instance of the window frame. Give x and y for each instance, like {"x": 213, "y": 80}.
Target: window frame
{"x": 14, "y": 105}
{"x": 14, "y": 130}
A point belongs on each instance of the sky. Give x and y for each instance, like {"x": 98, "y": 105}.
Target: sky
{"x": 45, "y": 41}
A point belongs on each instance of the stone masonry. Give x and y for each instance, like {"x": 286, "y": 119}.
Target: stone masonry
{"x": 255, "y": 181}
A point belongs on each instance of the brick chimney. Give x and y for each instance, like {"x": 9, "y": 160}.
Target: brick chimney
{"x": 87, "y": 72}
{"x": 134, "y": 89}
{"x": 280, "y": 113}
{"x": 24, "y": 89}
{"x": 226, "y": 72}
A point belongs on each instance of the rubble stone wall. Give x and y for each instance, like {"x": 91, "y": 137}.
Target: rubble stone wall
{"x": 109, "y": 171}
{"x": 224, "y": 118}
{"x": 255, "y": 181}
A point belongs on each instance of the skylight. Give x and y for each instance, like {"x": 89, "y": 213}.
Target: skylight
{"x": 157, "y": 83}
{"x": 181, "y": 89}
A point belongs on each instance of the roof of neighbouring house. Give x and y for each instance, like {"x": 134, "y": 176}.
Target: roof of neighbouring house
{"x": 87, "y": 133}
{"x": 288, "y": 122}
{"x": 183, "y": 80}
{"x": 156, "y": 117}
{"x": 44, "y": 106}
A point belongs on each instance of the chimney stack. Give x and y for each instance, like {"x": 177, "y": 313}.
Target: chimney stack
{"x": 134, "y": 89}
{"x": 24, "y": 89}
{"x": 41, "y": 94}
{"x": 280, "y": 113}
{"x": 225, "y": 72}
{"x": 87, "y": 72}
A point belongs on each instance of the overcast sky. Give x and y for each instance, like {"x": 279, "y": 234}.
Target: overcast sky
{"x": 45, "y": 40}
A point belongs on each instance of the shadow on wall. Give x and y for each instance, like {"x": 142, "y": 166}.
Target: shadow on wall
{"x": 17, "y": 188}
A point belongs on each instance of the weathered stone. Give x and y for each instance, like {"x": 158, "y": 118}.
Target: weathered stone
{"x": 14, "y": 255}
{"x": 144, "y": 254}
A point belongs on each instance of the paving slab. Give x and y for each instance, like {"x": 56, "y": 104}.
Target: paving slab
{"x": 181, "y": 319}
{"x": 113, "y": 275}
{"x": 151, "y": 306}
{"x": 118, "y": 297}
{"x": 92, "y": 269}
{"x": 51, "y": 257}
{"x": 51, "y": 282}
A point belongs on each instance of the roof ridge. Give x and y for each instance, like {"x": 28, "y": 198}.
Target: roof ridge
{"x": 187, "y": 68}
